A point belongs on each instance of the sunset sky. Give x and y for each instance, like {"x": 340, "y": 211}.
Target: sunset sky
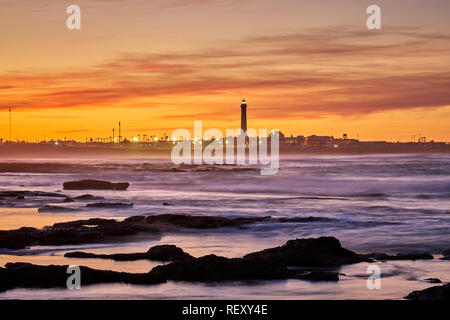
{"x": 305, "y": 67}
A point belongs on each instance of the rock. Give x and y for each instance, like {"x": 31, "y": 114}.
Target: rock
{"x": 49, "y": 208}
{"x": 302, "y": 219}
{"x": 26, "y": 275}
{"x": 88, "y": 197}
{"x": 20, "y": 197}
{"x": 324, "y": 251}
{"x": 109, "y": 205}
{"x": 214, "y": 268}
{"x": 67, "y": 200}
{"x": 408, "y": 256}
{"x": 204, "y": 269}
{"x": 167, "y": 253}
{"x": 97, "y": 230}
{"x": 195, "y": 222}
{"x": 433, "y": 280}
{"x": 166, "y": 204}
{"x": 160, "y": 253}
{"x": 95, "y": 185}
{"x": 116, "y": 256}
{"x": 316, "y": 275}
{"x": 18, "y": 239}
{"x": 414, "y": 256}
{"x": 379, "y": 256}
{"x": 74, "y": 232}
{"x": 433, "y": 293}
{"x": 268, "y": 264}
{"x": 26, "y": 193}
{"x": 94, "y": 222}
{"x": 446, "y": 253}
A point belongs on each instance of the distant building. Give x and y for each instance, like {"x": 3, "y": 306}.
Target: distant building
{"x": 301, "y": 140}
{"x": 320, "y": 141}
{"x": 244, "y": 116}
{"x": 295, "y": 141}
{"x": 290, "y": 140}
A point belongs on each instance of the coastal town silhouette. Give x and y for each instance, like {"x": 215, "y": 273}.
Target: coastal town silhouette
{"x": 300, "y": 143}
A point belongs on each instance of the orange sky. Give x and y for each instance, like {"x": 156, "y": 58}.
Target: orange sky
{"x": 305, "y": 67}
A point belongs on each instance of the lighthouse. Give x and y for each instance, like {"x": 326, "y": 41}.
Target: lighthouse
{"x": 244, "y": 116}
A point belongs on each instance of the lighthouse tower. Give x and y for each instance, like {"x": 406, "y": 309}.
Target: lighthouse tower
{"x": 244, "y": 116}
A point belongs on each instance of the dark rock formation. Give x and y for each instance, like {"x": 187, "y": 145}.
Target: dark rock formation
{"x": 95, "y": 185}
{"x": 260, "y": 266}
{"x": 446, "y": 253}
{"x": 268, "y": 264}
{"x": 49, "y": 208}
{"x": 115, "y": 256}
{"x": 19, "y": 238}
{"x": 433, "y": 280}
{"x": 408, "y": 256}
{"x": 160, "y": 253}
{"x": 68, "y": 199}
{"x": 413, "y": 256}
{"x": 205, "y": 269}
{"x": 316, "y": 275}
{"x": 88, "y": 197}
{"x": 325, "y": 251}
{"x": 214, "y": 268}
{"x": 75, "y": 232}
{"x": 26, "y": 275}
{"x": 302, "y": 219}
{"x": 433, "y": 293}
{"x": 25, "y": 193}
{"x": 196, "y": 222}
{"x": 109, "y": 205}
{"x": 320, "y": 252}
{"x": 167, "y": 253}
{"x": 97, "y": 230}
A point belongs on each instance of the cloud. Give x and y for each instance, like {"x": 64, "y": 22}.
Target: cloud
{"x": 25, "y": 6}
{"x": 322, "y": 71}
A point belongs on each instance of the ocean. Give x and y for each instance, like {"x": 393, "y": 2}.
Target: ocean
{"x": 372, "y": 203}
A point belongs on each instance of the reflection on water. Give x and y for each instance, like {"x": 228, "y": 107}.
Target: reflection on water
{"x": 14, "y": 218}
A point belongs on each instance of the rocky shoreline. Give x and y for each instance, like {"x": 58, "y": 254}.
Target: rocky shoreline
{"x": 271, "y": 264}
{"x": 103, "y": 230}
{"x": 433, "y": 293}
{"x": 157, "y": 253}
{"x": 304, "y": 259}
{"x": 312, "y": 259}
